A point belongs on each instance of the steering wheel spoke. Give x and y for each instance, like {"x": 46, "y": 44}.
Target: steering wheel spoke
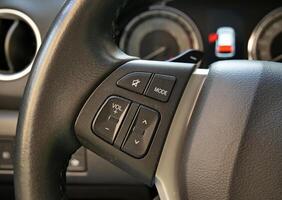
{"x": 127, "y": 117}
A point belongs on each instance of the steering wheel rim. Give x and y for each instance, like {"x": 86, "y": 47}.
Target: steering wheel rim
{"x": 66, "y": 73}
{"x": 82, "y": 65}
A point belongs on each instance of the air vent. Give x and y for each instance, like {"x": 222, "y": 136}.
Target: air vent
{"x": 19, "y": 42}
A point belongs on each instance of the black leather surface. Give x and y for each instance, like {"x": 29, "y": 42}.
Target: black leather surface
{"x": 234, "y": 147}
{"x": 77, "y": 54}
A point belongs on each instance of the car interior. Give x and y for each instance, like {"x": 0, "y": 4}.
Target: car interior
{"x": 143, "y": 100}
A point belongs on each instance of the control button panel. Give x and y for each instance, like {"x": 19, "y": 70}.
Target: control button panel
{"x": 151, "y": 91}
{"x": 6, "y": 154}
{"x": 136, "y": 81}
{"x": 77, "y": 162}
{"x": 161, "y": 87}
{"x": 136, "y": 138}
{"x": 108, "y": 120}
{"x": 141, "y": 132}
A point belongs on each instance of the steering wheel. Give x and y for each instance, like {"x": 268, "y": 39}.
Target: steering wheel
{"x": 195, "y": 134}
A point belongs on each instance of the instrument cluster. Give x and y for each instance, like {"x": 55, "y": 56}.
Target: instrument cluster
{"x": 222, "y": 31}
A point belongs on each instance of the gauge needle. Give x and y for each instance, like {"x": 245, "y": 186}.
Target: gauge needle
{"x": 155, "y": 53}
{"x": 277, "y": 58}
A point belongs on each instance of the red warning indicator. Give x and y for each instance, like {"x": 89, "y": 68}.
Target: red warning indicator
{"x": 213, "y": 37}
{"x": 224, "y": 49}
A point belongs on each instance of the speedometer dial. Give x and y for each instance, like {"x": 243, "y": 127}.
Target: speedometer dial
{"x": 160, "y": 34}
{"x": 266, "y": 40}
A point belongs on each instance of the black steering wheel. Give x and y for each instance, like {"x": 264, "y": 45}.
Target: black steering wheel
{"x": 137, "y": 114}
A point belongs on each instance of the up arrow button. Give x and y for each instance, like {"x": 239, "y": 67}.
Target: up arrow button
{"x": 161, "y": 87}
{"x": 144, "y": 122}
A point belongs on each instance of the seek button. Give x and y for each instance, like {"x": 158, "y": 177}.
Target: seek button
{"x": 142, "y": 132}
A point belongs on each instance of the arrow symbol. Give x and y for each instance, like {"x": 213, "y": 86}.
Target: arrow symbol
{"x": 136, "y": 141}
{"x": 145, "y": 122}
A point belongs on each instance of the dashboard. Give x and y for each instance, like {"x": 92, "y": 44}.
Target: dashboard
{"x": 164, "y": 30}
{"x": 146, "y": 29}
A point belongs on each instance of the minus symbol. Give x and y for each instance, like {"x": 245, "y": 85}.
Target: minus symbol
{"x": 107, "y": 129}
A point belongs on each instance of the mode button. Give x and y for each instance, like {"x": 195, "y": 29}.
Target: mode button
{"x": 161, "y": 87}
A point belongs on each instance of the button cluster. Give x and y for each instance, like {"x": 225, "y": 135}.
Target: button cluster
{"x": 76, "y": 164}
{"x": 156, "y": 86}
{"x": 113, "y": 114}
